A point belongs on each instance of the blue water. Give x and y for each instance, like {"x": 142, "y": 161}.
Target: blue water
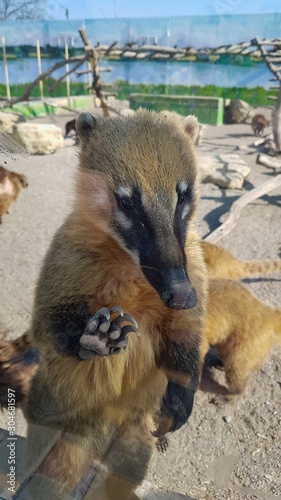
{"x": 172, "y": 73}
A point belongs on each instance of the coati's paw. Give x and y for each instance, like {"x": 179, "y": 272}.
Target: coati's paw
{"x": 104, "y": 336}
{"x": 221, "y": 399}
{"x": 162, "y": 444}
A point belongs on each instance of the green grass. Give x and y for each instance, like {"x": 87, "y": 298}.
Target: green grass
{"x": 256, "y": 96}
{"x": 76, "y": 88}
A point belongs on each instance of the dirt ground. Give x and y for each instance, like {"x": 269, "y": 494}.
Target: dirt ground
{"x": 229, "y": 452}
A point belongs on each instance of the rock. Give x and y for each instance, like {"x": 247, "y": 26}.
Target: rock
{"x": 238, "y": 110}
{"x": 226, "y": 171}
{"x": 227, "y": 419}
{"x": 40, "y": 139}
{"x": 9, "y": 120}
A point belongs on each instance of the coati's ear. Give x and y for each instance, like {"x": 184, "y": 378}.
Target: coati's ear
{"x": 85, "y": 124}
{"x": 23, "y": 180}
{"x": 191, "y": 127}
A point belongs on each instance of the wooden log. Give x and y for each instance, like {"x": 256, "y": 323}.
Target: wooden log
{"x": 6, "y": 69}
{"x": 237, "y": 206}
{"x": 68, "y": 73}
{"x": 276, "y": 121}
{"x": 86, "y": 71}
{"x": 61, "y": 106}
{"x": 39, "y": 69}
{"x": 271, "y": 59}
{"x": 107, "y": 52}
{"x": 268, "y": 162}
{"x": 259, "y": 141}
{"x": 272, "y": 98}
{"x": 83, "y": 36}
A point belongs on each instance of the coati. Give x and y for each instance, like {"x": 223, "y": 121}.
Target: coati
{"x": 10, "y": 186}
{"x": 222, "y": 264}
{"x": 70, "y": 125}
{"x": 259, "y": 122}
{"x": 245, "y": 331}
{"x": 129, "y": 241}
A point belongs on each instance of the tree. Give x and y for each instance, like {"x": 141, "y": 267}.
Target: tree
{"x": 14, "y": 10}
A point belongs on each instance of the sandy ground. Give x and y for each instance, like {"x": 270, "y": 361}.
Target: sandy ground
{"x": 229, "y": 452}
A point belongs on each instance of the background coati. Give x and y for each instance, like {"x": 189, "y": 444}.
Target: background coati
{"x": 70, "y": 125}
{"x": 222, "y": 264}
{"x": 129, "y": 241}
{"x": 245, "y": 331}
{"x": 10, "y": 186}
{"x": 259, "y": 122}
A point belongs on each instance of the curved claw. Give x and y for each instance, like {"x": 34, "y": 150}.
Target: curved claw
{"x": 121, "y": 319}
{"x": 129, "y": 328}
{"x": 94, "y": 322}
{"x": 115, "y": 309}
{"x": 102, "y": 312}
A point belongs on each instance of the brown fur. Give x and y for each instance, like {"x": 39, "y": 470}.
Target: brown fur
{"x": 243, "y": 330}
{"x": 88, "y": 266}
{"x": 259, "y": 122}
{"x": 10, "y": 186}
{"x": 222, "y": 264}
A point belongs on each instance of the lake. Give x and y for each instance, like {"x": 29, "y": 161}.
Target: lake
{"x": 147, "y": 72}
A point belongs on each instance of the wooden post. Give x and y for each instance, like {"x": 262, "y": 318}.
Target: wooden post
{"x": 39, "y": 69}
{"x": 6, "y": 69}
{"x": 67, "y": 78}
{"x": 90, "y": 78}
{"x": 276, "y": 121}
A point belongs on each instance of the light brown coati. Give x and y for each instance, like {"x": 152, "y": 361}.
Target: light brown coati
{"x": 242, "y": 329}
{"x": 10, "y": 185}
{"x": 222, "y": 264}
{"x": 129, "y": 241}
{"x": 259, "y": 122}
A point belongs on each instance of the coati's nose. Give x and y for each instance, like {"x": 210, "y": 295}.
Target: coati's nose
{"x": 179, "y": 293}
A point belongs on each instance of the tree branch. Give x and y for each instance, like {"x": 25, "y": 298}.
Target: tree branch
{"x": 32, "y": 85}
{"x": 237, "y": 206}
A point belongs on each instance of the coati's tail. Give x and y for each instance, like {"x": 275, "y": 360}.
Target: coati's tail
{"x": 222, "y": 264}
{"x": 277, "y": 327}
{"x": 18, "y": 364}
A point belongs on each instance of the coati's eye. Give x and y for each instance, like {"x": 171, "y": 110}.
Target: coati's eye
{"x": 182, "y": 197}
{"x": 126, "y": 203}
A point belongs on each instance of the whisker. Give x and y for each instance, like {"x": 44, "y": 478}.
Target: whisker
{"x": 149, "y": 267}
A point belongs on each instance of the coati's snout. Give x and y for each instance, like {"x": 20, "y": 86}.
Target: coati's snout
{"x": 173, "y": 286}
{"x": 179, "y": 293}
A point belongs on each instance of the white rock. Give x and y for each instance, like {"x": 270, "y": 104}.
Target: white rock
{"x": 227, "y": 171}
{"x": 9, "y": 120}
{"x": 239, "y": 110}
{"x": 40, "y": 139}
{"x": 227, "y": 419}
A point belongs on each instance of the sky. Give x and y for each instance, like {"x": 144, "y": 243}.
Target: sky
{"x": 156, "y": 8}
